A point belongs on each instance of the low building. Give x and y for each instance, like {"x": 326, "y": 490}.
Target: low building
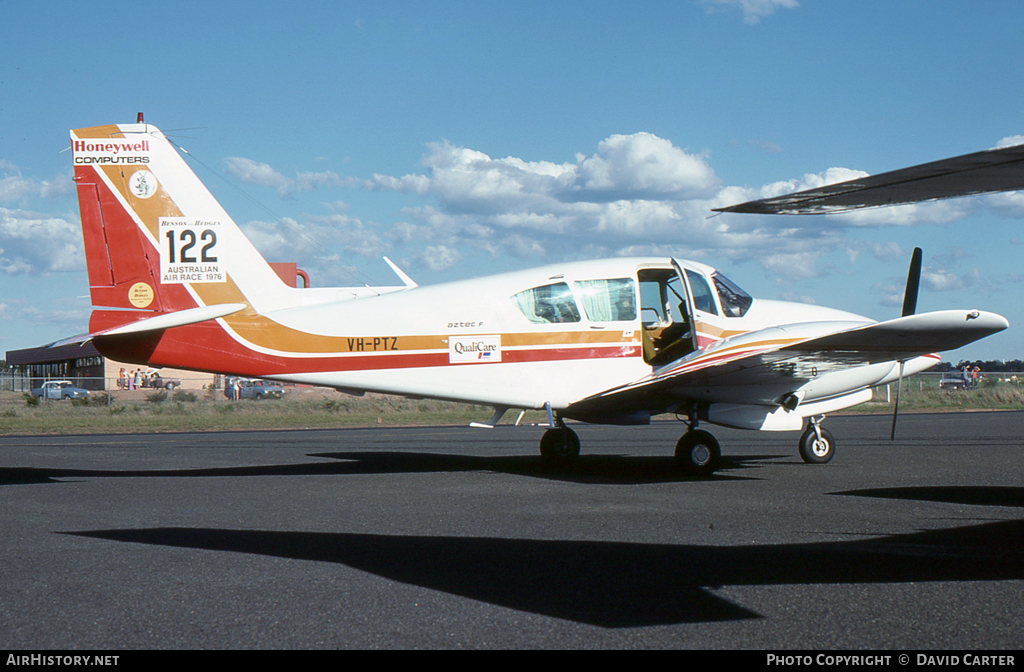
{"x": 83, "y": 364}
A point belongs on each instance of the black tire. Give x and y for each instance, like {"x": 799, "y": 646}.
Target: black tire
{"x": 813, "y": 451}
{"x": 560, "y": 446}
{"x": 698, "y": 453}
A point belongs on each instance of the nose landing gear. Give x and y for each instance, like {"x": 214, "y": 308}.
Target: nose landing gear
{"x": 817, "y": 445}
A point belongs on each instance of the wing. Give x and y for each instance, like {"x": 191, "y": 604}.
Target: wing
{"x": 762, "y": 367}
{"x": 978, "y": 173}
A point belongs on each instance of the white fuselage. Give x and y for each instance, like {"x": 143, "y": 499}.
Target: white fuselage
{"x": 471, "y": 341}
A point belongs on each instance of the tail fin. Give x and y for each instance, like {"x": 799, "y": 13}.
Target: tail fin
{"x": 155, "y": 238}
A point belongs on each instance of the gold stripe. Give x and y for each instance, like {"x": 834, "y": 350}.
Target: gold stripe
{"x": 263, "y": 332}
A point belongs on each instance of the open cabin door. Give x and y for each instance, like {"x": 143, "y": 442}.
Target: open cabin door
{"x": 689, "y": 314}
{"x": 667, "y": 317}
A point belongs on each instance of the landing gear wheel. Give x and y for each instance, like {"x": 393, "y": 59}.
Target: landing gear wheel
{"x": 814, "y": 450}
{"x": 559, "y": 446}
{"x": 698, "y": 453}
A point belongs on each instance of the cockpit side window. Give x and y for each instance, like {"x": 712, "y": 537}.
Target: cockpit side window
{"x": 608, "y": 300}
{"x": 550, "y": 304}
{"x": 735, "y": 302}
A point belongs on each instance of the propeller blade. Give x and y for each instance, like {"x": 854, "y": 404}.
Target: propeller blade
{"x": 913, "y": 284}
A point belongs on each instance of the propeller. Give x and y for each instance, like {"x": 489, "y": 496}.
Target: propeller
{"x": 913, "y": 283}
{"x": 909, "y": 307}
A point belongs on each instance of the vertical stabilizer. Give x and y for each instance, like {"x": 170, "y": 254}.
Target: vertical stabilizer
{"x": 155, "y": 238}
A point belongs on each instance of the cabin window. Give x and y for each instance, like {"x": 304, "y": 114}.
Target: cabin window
{"x": 702, "y": 298}
{"x": 608, "y": 300}
{"x": 735, "y": 302}
{"x": 548, "y": 304}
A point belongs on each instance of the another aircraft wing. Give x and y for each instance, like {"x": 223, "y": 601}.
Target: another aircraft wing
{"x": 761, "y": 367}
{"x": 978, "y": 173}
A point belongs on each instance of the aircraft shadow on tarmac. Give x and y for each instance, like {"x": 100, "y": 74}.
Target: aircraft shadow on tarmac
{"x": 617, "y": 585}
{"x": 981, "y": 495}
{"x": 603, "y": 469}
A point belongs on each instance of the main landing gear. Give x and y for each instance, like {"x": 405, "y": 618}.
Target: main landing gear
{"x": 560, "y": 445}
{"x": 697, "y": 454}
{"x": 697, "y": 451}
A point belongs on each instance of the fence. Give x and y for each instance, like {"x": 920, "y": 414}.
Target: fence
{"x": 114, "y": 387}
{"x": 12, "y": 381}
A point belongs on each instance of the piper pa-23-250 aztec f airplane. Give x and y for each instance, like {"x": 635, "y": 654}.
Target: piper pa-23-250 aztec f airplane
{"x": 174, "y": 282}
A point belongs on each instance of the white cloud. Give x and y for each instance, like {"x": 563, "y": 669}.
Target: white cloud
{"x": 890, "y": 251}
{"x": 940, "y": 280}
{"x": 439, "y": 257}
{"x": 317, "y": 237}
{"x": 68, "y": 319}
{"x": 635, "y": 192}
{"x": 15, "y": 188}
{"x": 32, "y": 242}
{"x": 1008, "y": 204}
{"x": 625, "y": 167}
{"x": 1010, "y": 141}
{"x": 643, "y": 165}
{"x": 753, "y": 10}
{"x": 892, "y": 294}
{"x": 257, "y": 173}
{"x": 262, "y": 174}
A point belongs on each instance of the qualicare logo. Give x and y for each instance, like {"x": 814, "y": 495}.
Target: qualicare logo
{"x": 474, "y": 349}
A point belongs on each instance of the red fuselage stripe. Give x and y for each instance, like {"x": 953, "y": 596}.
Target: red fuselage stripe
{"x": 207, "y": 347}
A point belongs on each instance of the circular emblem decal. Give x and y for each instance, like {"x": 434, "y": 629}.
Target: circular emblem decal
{"x": 142, "y": 184}
{"x": 140, "y": 295}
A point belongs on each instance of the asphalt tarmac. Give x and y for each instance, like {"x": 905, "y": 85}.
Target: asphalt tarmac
{"x": 463, "y": 538}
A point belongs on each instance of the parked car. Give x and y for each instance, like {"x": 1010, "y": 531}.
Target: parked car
{"x": 154, "y": 379}
{"x": 59, "y": 389}
{"x": 252, "y": 389}
{"x": 954, "y": 380}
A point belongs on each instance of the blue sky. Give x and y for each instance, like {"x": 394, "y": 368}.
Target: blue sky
{"x": 463, "y": 138}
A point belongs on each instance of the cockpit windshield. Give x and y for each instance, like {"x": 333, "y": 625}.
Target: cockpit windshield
{"x": 735, "y": 302}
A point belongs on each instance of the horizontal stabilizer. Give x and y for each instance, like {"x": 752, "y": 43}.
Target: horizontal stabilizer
{"x": 978, "y": 173}
{"x": 176, "y": 319}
